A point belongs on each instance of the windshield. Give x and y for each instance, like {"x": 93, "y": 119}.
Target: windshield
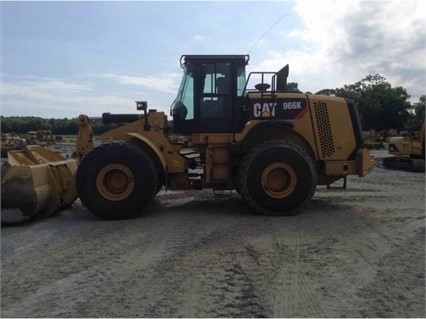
{"x": 184, "y": 102}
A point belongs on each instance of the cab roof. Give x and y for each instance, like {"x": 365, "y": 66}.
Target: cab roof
{"x": 185, "y": 59}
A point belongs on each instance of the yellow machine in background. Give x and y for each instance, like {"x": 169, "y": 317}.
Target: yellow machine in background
{"x": 408, "y": 152}
{"x": 271, "y": 145}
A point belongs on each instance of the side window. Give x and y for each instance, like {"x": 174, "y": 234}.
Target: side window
{"x": 216, "y": 78}
{"x": 241, "y": 80}
{"x": 209, "y": 84}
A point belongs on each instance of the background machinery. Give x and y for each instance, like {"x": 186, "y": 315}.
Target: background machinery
{"x": 272, "y": 145}
{"x": 408, "y": 151}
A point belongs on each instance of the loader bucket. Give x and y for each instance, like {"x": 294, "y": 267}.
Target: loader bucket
{"x": 37, "y": 181}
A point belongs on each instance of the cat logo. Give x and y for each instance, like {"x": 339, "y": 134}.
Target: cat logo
{"x": 265, "y": 110}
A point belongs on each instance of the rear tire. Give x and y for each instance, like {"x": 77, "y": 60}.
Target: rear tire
{"x": 116, "y": 180}
{"x": 277, "y": 178}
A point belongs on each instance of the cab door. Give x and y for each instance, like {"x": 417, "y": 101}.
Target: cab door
{"x": 215, "y": 97}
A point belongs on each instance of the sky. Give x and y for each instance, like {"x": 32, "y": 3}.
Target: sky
{"x": 62, "y": 59}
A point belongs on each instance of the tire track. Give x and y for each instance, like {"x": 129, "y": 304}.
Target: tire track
{"x": 210, "y": 258}
{"x": 292, "y": 291}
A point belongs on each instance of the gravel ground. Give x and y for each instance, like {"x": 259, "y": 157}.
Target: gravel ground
{"x": 353, "y": 253}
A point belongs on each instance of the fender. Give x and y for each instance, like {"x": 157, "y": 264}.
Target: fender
{"x": 257, "y": 126}
{"x": 151, "y": 145}
{"x": 260, "y": 131}
{"x": 253, "y": 125}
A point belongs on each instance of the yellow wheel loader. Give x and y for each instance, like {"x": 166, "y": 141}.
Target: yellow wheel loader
{"x": 270, "y": 144}
{"x": 408, "y": 152}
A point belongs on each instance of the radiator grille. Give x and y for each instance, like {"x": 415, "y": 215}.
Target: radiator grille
{"x": 324, "y": 130}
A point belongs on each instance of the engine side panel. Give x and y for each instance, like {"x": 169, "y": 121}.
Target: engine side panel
{"x": 333, "y": 128}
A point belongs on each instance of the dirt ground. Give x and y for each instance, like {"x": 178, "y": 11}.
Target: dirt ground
{"x": 353, "y": 253}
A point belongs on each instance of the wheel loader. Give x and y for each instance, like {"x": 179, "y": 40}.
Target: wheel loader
{"x": 270, "y": 144}
{"x": 408, "y": 152}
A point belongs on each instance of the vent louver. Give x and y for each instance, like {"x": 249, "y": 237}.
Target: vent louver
{"x": 324, "y": 129}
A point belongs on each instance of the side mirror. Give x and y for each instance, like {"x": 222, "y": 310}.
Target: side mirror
{"x": 141, "y": 105}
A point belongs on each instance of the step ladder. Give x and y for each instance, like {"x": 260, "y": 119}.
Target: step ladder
{"x": 221, "y": 166}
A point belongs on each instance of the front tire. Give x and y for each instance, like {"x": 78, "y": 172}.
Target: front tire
{"x": 277, "y": 178}
{"x": 116, "y": 180}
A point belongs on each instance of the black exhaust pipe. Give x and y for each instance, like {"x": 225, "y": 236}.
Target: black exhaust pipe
{"x": 108, "y": 118}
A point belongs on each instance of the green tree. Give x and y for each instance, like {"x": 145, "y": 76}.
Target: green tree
{"x": 417, "y": 115}
{"x": 419, "y": 112}
{"x": 381, "y": 106}
{"x": 293, "y": 86}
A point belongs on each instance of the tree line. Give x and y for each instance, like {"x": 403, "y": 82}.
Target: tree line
{"x": 24, "y": 124}
{"x": 381, "y": 107}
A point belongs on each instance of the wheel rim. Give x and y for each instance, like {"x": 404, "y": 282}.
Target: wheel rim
{"x": 115, "y": 182}
{"x": 278, "y": 180}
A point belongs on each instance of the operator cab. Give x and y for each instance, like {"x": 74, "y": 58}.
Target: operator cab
{"x": 214, "y": 95}
{"x": 210, "y": 87}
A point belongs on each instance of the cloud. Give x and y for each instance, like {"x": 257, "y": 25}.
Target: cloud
{"x": 167, "y": 83}
{"x": 198, "y": 38}
{"x": 40, "y": 87}
{"x": 344, "y": 41}
{"x": 48, "y": 97}
{"x": 90, "y": 94}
